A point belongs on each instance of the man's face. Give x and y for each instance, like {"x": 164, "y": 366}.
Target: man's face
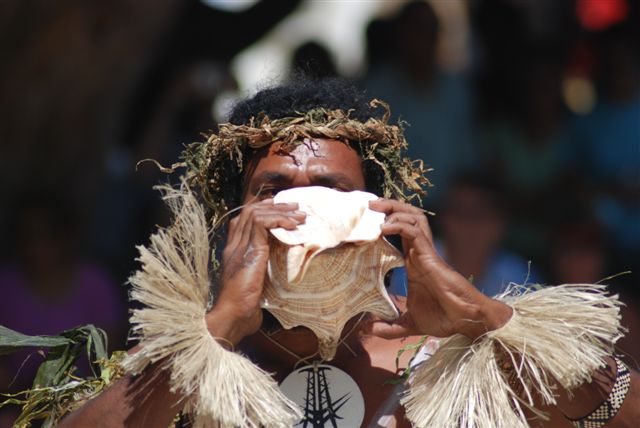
{"x": 317, "y": 162}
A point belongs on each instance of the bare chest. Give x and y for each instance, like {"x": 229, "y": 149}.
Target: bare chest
{"x": 321, "y": 392}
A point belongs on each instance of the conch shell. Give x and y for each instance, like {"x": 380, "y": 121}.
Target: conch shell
{"x": 330, "y": 268}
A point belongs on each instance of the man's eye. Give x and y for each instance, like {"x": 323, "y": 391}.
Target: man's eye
{"x": 341, "y": 188}
{"x": 268, "y": 192}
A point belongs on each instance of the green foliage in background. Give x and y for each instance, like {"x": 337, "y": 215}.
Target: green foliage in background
{"x": 56, "y": 390}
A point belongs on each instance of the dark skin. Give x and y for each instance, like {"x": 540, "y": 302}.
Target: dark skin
{"x": 455, "y": 307}
{"x": 440, "y": 303}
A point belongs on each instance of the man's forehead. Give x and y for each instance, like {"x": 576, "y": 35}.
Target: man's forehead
{"x": 308, "y": 162}
{"x": 305, "y": 148}
{"x": 306, "y": 151}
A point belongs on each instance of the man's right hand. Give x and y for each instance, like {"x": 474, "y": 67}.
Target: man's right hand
{"x": 236, "y": 313}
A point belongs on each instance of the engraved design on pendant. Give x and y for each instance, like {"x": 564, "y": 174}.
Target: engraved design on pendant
{"x": 328, "y": 397}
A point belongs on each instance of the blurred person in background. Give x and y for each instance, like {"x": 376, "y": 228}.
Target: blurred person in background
{"x": 470, "y": 229}
{"x": 81, "y": 82}
{"x": 184, "y": 110}
{"x": 436, "y": 104}
{"x": 171, "y": 101}
{"x": 472, "y": 224}
{"x": 530, "y": 149}
{"x": 314, "y": 60}
{"x": 48, "y": 287}
{"x": 380, "y": 44}
{"x": 580, "y": 254}
{"x": 48, "y": 277}
{"x": 608, "y": 141}
{"x": 523, "y": 123}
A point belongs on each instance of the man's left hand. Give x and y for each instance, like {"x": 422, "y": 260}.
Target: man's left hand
{"x": 440, "y": 301}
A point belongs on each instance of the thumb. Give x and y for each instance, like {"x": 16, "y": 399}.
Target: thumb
{"x": 402, "y": 327}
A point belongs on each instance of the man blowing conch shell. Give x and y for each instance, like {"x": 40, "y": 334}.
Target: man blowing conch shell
{"x": 300, "y": 298}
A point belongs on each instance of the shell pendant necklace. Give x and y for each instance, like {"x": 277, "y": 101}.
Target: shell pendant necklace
{"x": 327, "y": 395}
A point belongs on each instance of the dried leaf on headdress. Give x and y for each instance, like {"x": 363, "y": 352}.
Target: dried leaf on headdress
{"x": 215, "y": 167}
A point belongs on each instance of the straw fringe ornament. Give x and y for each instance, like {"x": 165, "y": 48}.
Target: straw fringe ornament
{"x": 557, "y": 335}
{"x": 221, "y": 388}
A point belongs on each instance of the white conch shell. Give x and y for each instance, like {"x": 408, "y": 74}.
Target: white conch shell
{"x": 330, "y": 268}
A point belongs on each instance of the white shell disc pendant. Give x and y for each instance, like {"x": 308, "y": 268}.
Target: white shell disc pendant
{"x": 328, "y": 397}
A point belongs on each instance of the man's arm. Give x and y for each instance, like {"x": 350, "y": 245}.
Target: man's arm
{"x": 146, "y": 400}
{"x": 441, "y": 302}
{"x": 141, "y": 401}
{"x": 590, "y": 396}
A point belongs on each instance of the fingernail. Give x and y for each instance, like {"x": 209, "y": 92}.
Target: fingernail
{"x": 302, "y": 213}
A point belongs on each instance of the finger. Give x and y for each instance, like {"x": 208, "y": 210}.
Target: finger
{"x": 232, "y": 233}
{"x": 256, "y": 201}
{"x": 243, "y": 228}
{"x": 401, "y": 216}
{"x": 235, "y": 234}
{"x": 253, "y": 242}
{"x": 413, "y": 236}
{"x": 286, "y": 206}
{"x": 418, "y": 220}
{"x": 270, "y": 205}
{"x": 232, "y": 226}
{"x": 256, "y": 230}
{"x": 248, "y": 209}
{"x": 272, "y": 220}
{"x": 402, "y": 327}
{"x": 406, "y": 231}
{"x": 409, "y": 218}
{"x": 389, "y": 206}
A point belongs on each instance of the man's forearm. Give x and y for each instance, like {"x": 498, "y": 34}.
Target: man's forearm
{"x": 140, "y": 401}
{"x": 145, "y": 400}
{"x": 590, "y": 396}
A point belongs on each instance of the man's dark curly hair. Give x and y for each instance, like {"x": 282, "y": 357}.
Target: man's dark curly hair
{"x": 303, "y": 94}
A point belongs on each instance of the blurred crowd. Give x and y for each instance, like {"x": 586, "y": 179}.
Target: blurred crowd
{"x": 534, "y": 145}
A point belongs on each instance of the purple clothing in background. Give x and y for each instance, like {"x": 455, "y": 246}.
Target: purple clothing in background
{"x": 92, "y": 298}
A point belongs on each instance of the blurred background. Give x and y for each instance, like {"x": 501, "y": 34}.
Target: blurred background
{"x": 528, "y": 111}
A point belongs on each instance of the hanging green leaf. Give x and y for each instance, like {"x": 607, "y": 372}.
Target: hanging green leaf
{"x": 56, "y": 389}
{"x": 12, "y": 341}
